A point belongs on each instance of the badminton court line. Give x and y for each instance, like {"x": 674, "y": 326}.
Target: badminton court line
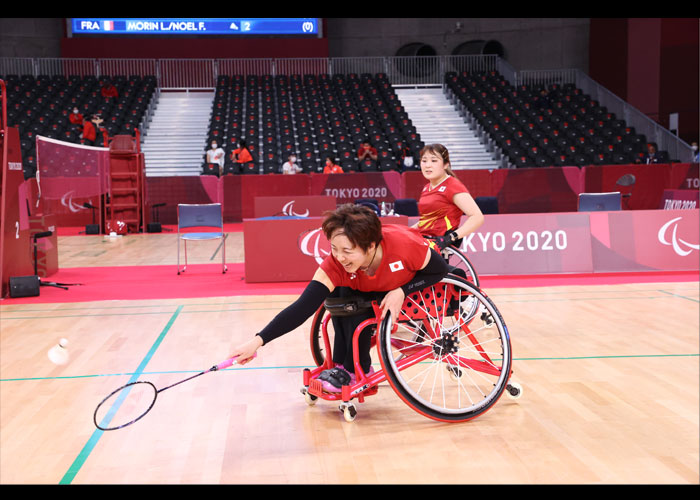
{"x": 302, "y": 367}
{"x": 92, "y": 442}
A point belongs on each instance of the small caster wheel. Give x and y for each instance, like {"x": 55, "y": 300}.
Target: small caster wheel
{"x": 514, "y": 390}
{"x": 349, "y": 412}
{"x": 308, "y": 397}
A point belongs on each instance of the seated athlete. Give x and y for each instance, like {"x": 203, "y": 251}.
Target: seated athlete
{"x": 375, "y": 262}
{"x": 444, "y": 200}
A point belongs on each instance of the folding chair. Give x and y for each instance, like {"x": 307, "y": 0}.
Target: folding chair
{"x": 200, "y": 216}
{"x": 596, "y": 202}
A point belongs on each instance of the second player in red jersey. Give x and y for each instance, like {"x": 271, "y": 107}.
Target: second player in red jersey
{"x": 444, "y": 200}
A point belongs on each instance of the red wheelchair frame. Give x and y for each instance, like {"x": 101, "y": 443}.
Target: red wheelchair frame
{"x": 413, "y": 353}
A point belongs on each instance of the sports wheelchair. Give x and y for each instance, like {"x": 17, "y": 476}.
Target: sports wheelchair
{"x": 448, "y": 356}
{"x": 457, "y": 260}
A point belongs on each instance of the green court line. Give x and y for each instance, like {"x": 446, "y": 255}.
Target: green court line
{"x": 301, "y": 367}
{"x": 92, "y": 442}
{"x": 679, "y": 296}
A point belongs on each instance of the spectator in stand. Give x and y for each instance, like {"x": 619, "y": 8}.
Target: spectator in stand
{"x": 101, "y": 131}
{"x": 331, "y": 168}
{"x": 76, "y": 118}
{"x": 109, "y": 90}
{"x": 89, "y": 133}
{"x": 694, "y": 145}
{"x": 650, "y": 156}
{"x": 407, "y": 159}
{"x": 366, "y": 151}
{"x": 215, "y": 158}
{"x": 242, "y": 154}
{"x": 542, "y": 101}
{"x": 290, "y": 167}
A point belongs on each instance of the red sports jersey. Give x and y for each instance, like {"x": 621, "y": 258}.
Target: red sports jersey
{"x": 438, "y": 213}
{"x": 404, "y": 251}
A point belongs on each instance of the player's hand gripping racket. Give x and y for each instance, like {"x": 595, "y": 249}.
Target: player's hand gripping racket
{"x": 132, "y": 401}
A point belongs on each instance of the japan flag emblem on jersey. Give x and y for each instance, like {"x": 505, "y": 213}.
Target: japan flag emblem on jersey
{"x": 396, "y": 266}
{"x": 442, "y": 189}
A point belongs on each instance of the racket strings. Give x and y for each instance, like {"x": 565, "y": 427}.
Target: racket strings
{"x": 125, "y": 406}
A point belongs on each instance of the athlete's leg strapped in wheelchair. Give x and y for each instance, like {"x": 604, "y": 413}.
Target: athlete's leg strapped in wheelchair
{"x": 448, "y": 356}
{"x": 348, "y": 309}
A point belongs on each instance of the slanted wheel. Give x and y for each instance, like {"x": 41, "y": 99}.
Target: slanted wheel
{"x": 457, "y": 259}
{"x": 318, "y": 348}
{"x": 449, "y": 356}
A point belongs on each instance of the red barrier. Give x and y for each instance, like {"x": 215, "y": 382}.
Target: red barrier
{"x": 538, "y": 190}
{"x": 253, "y": 186}
{"x": 645, "y": 240}
{"x": 178, "y": 189}
{"x": 15, "y": 250}
{"x": 293, "y": 206}
{"x": 523, "y": 190}
{"x": 531, "y": 244}
{"x": 346, "y": 188}
{"x": 646, "y": 192}
{"x": 511, "y": 244}
{"x": 299, "y": 248}
{"x": 680, "y": 199}
{"x": 684, "y": 176}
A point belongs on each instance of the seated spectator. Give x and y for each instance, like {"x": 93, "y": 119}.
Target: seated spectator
{"x": 407, "y": 159}
{"x": 89, "y": 133}
{"x": 242, "y": 154}
{"x": 76, "y": 118}
{"x": 290, "y": 166}
{"x": 542, "y": 101}
{"x": 650, "y": 156}
{"x": 331, "y": 168}
{"x": 215, "y": 157}
{"x": 109, "y": 90}
{"x": 366, "y": 151}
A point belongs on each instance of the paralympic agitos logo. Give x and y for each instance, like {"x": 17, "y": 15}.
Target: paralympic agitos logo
{"x": 680, "y": 246}
{"x": 313, "y": 243}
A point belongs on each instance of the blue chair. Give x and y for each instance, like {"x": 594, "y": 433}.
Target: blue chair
{"x": 599, "y": 202}
{"x": 406, "y": 206}
{"x": 487, "y": 204}
{"x": 203, "y": 216}
{"x": 370, "y": 203}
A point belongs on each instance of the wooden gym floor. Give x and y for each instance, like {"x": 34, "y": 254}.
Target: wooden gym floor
{"x": 609, "y": 374}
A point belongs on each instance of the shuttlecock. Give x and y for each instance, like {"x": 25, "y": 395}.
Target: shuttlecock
{"x": 58, "y": 354}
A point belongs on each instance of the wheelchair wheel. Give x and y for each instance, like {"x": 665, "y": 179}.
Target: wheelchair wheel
{"x": 318, "y": 347}
{"x": 457, "y": 259}
{"x": 449, "y": 356}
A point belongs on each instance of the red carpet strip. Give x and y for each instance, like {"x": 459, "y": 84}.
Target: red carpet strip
{"x": 207, "y": 280}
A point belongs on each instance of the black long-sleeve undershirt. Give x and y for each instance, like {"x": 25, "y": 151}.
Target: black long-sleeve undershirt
{"x": 295, "y": 314}
{"x": 315, "y": 293}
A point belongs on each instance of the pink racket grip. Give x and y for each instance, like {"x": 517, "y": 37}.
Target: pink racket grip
{"x": 229, "y": 362}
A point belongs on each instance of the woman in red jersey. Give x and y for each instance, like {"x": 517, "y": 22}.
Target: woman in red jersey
{"x": 444, "y": 200}
{"x": 369, "y": 261}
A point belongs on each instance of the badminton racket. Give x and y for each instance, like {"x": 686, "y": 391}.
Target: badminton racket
{"x": 131, "y": 402}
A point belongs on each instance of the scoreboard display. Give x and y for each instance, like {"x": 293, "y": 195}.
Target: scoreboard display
{"x": 195, "y": 26}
